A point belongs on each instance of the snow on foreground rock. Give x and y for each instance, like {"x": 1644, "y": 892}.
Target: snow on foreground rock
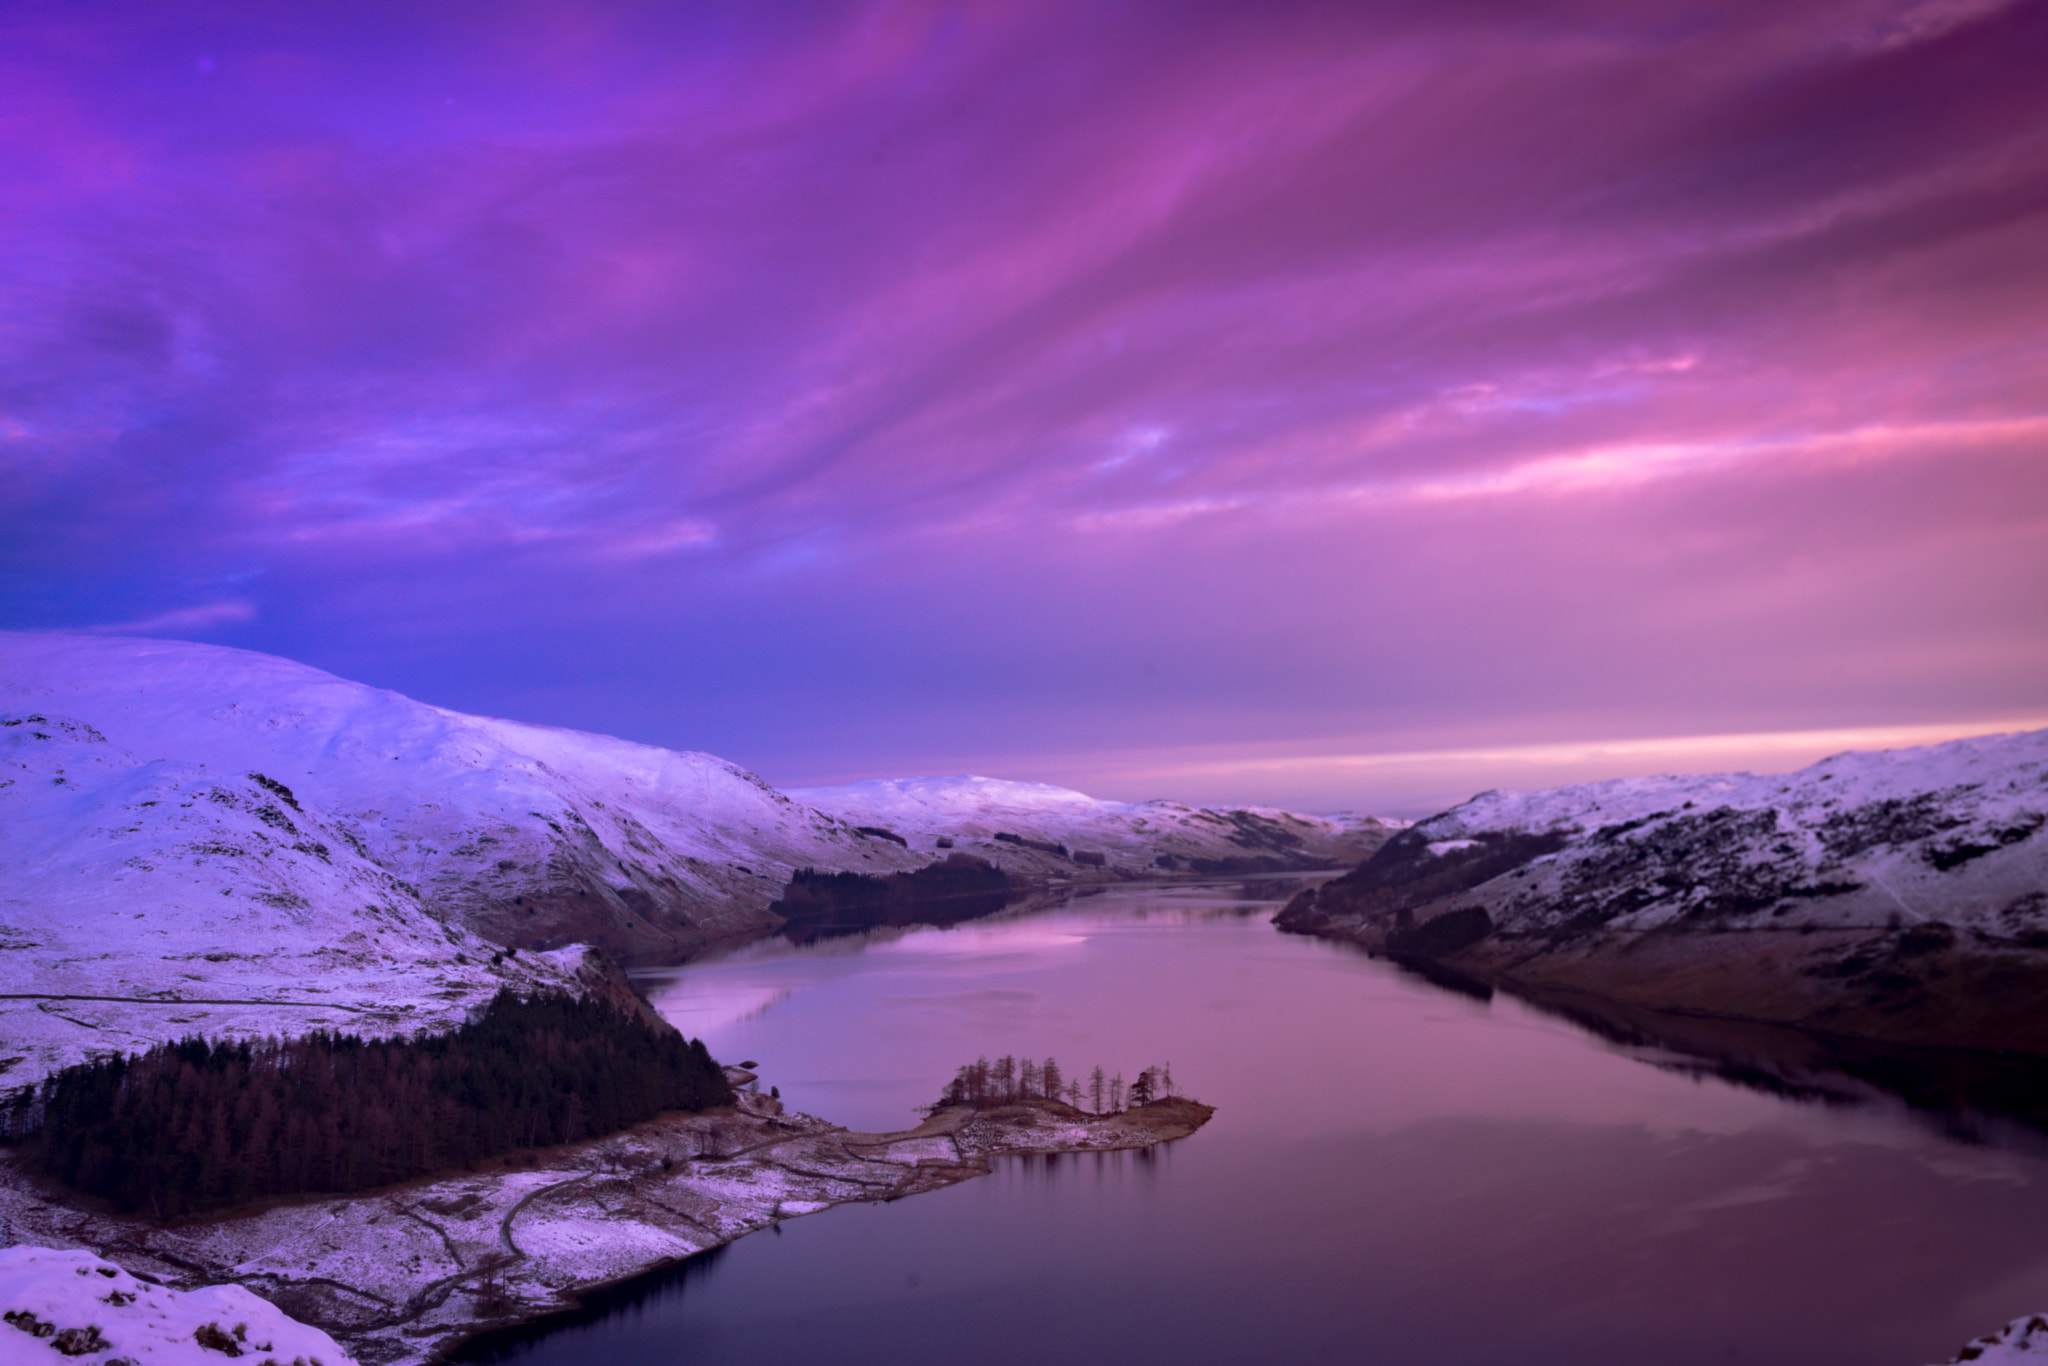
{"x": 2022, "y": 1340}
{"x": 59, "y": 1304}
{"x": 1900, "y": 895}
{"x": 1023, "y": 827}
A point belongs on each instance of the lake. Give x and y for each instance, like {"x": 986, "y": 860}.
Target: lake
{"x": 1395, "y": 1173}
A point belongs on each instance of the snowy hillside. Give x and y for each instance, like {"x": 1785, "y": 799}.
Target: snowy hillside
{"x": 1023, "y": 826}
{"x": 1902, "y": 894}
{"x": 202, "y": 840}
{"x": 529, "y": 835}
{"x": 145, "y": 900}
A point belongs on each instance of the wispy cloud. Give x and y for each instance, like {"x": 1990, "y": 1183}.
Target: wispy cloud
{"x": 183, "y": 620}
{"x": 996, "y": 354}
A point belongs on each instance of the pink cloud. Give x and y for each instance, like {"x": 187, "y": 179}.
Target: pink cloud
{"x": 1476, "y": 366}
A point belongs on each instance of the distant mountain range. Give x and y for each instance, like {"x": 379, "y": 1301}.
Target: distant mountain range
{"x": 1899, "y": 896}
{"x": 199, "y": 839}
{"x": 1038, "y": 830}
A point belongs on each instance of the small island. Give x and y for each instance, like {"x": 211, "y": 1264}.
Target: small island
{"x": 1016, "y": 1105}
{"x": 404, "y": 1274}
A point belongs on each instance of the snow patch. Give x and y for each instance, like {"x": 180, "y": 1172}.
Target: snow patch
{"x": 2022, "y": 1340}
{"x": 59, "y": 1303}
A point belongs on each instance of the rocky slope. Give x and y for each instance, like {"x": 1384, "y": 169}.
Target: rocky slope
{"x": 1900, "y": 896}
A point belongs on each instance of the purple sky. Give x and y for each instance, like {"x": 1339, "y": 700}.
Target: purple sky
{"x": 1166, "y": 400}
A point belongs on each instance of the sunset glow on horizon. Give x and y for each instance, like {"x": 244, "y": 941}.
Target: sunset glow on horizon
{"x": 1322, "y": 405}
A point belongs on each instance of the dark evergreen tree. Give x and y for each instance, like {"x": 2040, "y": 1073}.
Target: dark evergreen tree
{"x": 199, "y": 1125}
{"x": 816, "y": 905}
{"x": 1141, "y": 1089}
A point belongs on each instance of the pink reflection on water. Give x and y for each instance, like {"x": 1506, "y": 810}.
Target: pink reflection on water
{"x": 1394, "y": 1174}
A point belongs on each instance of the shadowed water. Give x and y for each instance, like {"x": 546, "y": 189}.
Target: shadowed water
{"x": 1395, "y": 1174}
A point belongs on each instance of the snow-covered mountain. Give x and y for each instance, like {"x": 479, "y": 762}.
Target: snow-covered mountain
{"x": 530, "y": 835}
{"x": 1902, "y": 894}
{"x": 1024, "y": 827}
{"x": 204, "y": 840}
{"x": 142, "y": 900}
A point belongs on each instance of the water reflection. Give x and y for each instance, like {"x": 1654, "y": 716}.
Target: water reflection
{"x": 1969, "y": 1096}
{"x": 621, "y": 1310}
{"x": 1395, "y": 1173}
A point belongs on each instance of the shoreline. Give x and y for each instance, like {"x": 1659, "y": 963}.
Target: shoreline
{"x": 406, "y": 1275}
{"x": 1984, "y": 1085}
{"x": 1029, "y": 897}
{"x": 1934, "y": 1001}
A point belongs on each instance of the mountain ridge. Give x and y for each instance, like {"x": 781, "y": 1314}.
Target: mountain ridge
{"x": 1898, "y": 895}
{"x": 1013, "y": 821}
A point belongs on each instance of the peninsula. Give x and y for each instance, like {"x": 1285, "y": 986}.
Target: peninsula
{"x": 403, "y": 1275}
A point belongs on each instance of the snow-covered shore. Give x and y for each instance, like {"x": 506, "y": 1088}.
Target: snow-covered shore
{"x": 402, "y": 1276}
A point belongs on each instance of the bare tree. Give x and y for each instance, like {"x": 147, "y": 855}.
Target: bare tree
{"x": 490, "y": 1293}
{"x": 1116, "y": 1094}
{"x": 1027, "y": 1078}
{"x": 1095, "y": 1089}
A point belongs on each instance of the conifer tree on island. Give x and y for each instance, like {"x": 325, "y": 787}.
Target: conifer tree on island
{"x": 982, "y": 1084}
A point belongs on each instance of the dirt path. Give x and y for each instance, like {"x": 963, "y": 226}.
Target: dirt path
{"x": 183, "y": 1001}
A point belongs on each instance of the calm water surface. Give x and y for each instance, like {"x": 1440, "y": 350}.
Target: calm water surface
{"x": 1394, "y": 1174}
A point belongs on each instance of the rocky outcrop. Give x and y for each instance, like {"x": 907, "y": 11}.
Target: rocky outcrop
{"x": 1900, "y": 896}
